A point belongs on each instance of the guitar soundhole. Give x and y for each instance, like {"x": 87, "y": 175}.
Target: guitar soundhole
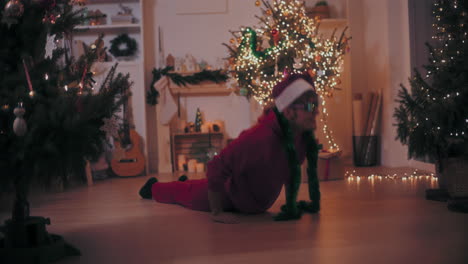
{"x": 127, "y": 160}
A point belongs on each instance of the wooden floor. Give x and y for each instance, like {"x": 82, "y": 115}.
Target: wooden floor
{"x": 362, "y": 221}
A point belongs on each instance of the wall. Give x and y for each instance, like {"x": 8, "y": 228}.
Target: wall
{"x": 202, "y": 35}
{"x": 381, "y": 60}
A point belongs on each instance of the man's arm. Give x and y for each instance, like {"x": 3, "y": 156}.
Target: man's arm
{"x": 217, "y": 213}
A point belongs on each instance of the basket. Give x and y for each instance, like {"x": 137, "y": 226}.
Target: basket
{"x": 456, "y": 175}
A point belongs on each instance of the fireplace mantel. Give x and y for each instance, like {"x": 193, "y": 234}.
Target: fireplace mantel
{"x": 205, "y": 88}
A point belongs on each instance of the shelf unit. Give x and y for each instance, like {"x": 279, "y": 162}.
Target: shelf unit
{"x": 194, "y": 145}
{"x": 134, "y": 66}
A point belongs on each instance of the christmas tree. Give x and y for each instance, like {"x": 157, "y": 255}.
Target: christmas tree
{"x": 54, "y": 94}
{"x": 198, "y": 121}
{"x": 287, "y": 41}
{"x": 432, "y": 118}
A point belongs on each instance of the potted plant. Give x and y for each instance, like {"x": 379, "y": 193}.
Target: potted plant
{"x": 432, "y": 115}
{"x": 320, "y": 10}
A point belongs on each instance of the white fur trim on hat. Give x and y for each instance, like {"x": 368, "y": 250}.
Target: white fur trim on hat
{"x": 291, "y": 93}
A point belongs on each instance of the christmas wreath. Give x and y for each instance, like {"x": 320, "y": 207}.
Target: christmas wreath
{"x": 123, "y": 45}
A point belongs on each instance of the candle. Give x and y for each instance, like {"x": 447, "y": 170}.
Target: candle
{"x": 192, "y": 165}
{"x": 200, "y": 167}
{"x": 205, "y": 128}
{"x": 181, "y": 162}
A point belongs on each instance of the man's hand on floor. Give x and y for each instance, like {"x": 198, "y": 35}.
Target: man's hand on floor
{"x": 225, "y": 218}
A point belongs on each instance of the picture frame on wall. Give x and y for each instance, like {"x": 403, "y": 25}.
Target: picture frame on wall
{"x": 193, "y": 7}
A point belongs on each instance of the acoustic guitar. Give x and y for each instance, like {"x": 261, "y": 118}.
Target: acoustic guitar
{"x": 128, "y": 160}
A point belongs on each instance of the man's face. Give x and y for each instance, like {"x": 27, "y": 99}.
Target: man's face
{"x": 303, "y": 112}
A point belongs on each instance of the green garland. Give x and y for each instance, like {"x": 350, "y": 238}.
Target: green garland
{"x": 116, "y": 43}
{"x": 292, "y": 209}
{"x": 252, "y": 44}
{"x": 152, "y": 95}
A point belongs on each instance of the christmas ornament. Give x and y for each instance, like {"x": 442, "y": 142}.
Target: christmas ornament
{"x": 257, "y": 3}
{"x": 268, "y": 12}
{"x": 243, "y": 91}
{"x": 51, "y": 45}
{"x": 312, "y": 73}
{"x": 19, "y": 125}
{"x": 298, "y": 63}
{"x": 110, "y": 127}
{"x": 232, "y": 41}
{"x": 212, "y": 152}
{"x": 276, "y": 36}
{"x": 14, "y": 9}
{"x": 318, "y": 58}
{"x": 49, "y": 18}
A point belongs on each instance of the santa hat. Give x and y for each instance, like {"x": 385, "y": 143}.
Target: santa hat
{"x": 291, "y": 88}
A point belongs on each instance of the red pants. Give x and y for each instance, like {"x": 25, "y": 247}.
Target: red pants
{"x": 192, "y": 194}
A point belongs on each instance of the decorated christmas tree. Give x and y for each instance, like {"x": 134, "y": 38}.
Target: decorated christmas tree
{"x": 51, "y": 113}
{"x": 432, "y": 118}
{"x": 287, "y": 41}
{"x": 198, "y": 121}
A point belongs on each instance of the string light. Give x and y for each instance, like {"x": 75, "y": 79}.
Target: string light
{"x": 350, "y": 176}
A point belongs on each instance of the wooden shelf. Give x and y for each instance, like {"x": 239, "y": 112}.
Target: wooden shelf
{"x": 109, "y": 64}
{"x": 197, "y": 134}
{"x": 108, "y": 27}
{"x": 333, "y": 22}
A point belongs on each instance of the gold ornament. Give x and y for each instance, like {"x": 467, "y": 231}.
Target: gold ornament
{"x": 232, "y": 41}
{"x": 14, "y": 9}
{"x": 268, "y": 12}
{"x": 312, "y": 73}
{"x": 257, "y": 3}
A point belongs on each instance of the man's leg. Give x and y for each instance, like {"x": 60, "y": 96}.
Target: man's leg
{"x": 192, "y": 194}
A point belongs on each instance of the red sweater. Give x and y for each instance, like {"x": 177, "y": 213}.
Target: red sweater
{"x": 252, "y": 169}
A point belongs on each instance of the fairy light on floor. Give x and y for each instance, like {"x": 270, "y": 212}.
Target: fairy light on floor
{"x": 286, "y": 42}
{"x": 404, "y": 178}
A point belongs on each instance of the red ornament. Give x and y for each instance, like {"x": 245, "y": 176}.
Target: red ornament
{"x": 276, "y": 36}
{"x": 312, "y": 73}
{"x": 49, "y": 18}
